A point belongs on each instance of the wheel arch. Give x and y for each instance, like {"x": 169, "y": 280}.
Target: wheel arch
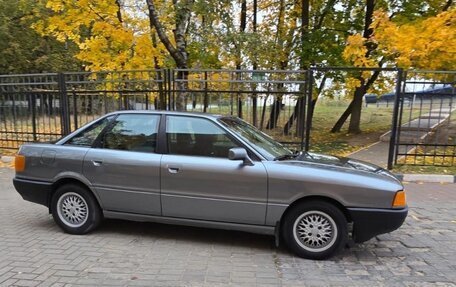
{"x": 326, "y": 199}
{"x": 70, "y": 180}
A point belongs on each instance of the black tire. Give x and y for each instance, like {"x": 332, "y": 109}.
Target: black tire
{"x": 75, "y": 209}
{"x": 323, "y": 229}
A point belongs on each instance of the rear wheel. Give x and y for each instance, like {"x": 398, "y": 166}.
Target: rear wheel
{"x": 75, "y": 209}
{"x": 315, "y": 230}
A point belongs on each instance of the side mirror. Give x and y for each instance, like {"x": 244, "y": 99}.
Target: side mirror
{"x": 239, "y": 153}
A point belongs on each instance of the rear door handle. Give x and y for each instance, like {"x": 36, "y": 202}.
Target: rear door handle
{"x": 173, "y": 169}
{"x": 97, "y": 162}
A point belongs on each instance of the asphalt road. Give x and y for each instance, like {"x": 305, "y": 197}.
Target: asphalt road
{"x": 35, "y": 252}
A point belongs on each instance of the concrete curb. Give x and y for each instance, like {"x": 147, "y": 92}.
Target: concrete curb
{"x": 439, "y": 178}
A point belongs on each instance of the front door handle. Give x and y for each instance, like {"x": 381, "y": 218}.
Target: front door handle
{"x": 97, "y": 162}
{"x": 173, "y": 169}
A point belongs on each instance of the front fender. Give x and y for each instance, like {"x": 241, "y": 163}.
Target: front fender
{"x": 291, "y": 181}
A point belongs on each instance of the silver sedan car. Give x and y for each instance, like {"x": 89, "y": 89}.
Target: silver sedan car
{"x": 208, "y": 171}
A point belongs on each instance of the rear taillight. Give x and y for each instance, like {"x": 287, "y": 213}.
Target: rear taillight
{"x": 19, "y": 163}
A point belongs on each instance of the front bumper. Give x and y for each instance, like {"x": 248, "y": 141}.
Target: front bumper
{"x": 368, "y": 222}
{"x": 34, "y": 191}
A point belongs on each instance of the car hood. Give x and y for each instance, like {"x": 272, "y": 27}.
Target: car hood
{"x": 344, "y": 162}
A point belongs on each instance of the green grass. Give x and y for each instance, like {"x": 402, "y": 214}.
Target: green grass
{"x": 450, "y": 170}
{"x": 374, "y": 122}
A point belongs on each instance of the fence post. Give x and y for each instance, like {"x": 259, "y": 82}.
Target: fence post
{"x": 307, "y": 112}
{"x": 64, "y": 114}
{"x": 394, "y": 125}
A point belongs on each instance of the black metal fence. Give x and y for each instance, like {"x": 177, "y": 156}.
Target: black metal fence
{"x": 44, "y": 107}
{"x": 29, "y": 109}
{"x": 425, "y": 129}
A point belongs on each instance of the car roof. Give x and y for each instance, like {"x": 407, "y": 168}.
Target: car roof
{"x": 199, "y": 114}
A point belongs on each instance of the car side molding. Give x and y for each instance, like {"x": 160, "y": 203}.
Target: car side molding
{"x": 258, "y": 229}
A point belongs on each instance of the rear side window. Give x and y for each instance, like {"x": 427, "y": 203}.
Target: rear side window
{"x": 88, "y": 135}
{"x": 134, "y": 132}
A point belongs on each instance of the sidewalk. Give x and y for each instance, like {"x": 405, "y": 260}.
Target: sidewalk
{"x": 376, "y": 153}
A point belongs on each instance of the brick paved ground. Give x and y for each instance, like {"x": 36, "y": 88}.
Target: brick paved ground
{"x": 34, "y": 252}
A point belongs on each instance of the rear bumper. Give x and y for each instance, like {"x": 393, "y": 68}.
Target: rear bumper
{"x": 34, "y": 191}
{"x": 368, "y": 222}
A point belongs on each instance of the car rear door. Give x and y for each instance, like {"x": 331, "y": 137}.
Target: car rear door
{"x": 125, "y": 168}
{"x": 198, "y": 181}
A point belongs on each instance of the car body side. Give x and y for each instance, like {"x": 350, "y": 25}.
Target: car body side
{"x": 366, "y": 198}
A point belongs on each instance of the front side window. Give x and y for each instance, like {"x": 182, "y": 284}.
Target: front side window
{"x": 257, "y": 139}
{"x": 196, "y": 136}
{"x": 133, "y": 132}
{"x": 88, "y": 135}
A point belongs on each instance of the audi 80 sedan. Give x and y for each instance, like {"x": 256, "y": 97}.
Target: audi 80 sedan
{"x": 209, "y": 171}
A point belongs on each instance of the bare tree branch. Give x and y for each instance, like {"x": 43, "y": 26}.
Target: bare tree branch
{"x": 119, "y": 12}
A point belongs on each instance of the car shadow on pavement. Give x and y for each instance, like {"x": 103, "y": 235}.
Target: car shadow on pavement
{"x": 147, "y": 233}
{"x": 185, "y": 234}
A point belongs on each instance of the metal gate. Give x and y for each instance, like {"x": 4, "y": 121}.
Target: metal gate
{"x": 424, "y": 129}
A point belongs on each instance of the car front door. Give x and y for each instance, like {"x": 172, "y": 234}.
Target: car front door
{"x": 125, "y": 169}
{"x": 198, "y": 181}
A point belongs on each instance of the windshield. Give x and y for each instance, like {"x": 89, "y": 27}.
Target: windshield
{"x": 258, "y": 140}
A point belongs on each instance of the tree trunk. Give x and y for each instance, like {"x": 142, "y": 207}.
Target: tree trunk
{"x": 298, "y": 112}
{"x": 358, "y": 96}
{"x": 178, "y": 52}
{"x": 355, "y": 118}
{"x": 276, "y": 106}
{"x": 161, "y": 103}
{"x": 274, "y": 114}
{"x": 255, "y": 66}
{"x": 315, "y": 99}
{"x": 356, "y": 104}
{"x": 182, "y": 90}
{"x": 242, "y": 26}
{"x": 340, "y": 122}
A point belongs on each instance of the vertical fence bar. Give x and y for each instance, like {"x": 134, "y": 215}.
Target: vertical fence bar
{"x": 401, "y": 113}
{"x": 33, "y": 106}
{"x": 75, "y": 110}
{"x": 206, "y": 96}
{"x": 64, "y": 114}
{"x": 393, "y": 144}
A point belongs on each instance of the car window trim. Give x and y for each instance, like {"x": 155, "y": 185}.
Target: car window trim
{"x": 162, "y": 147}
{"x": 255, "y": 150}
{"x": 88, "y": 125}
{"x": 251, "y": 154}
{"x": 97, "y": 141}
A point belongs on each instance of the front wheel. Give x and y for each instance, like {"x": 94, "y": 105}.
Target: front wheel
{"x": 315, "y": 230}
{"x": 75, "y": 209}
